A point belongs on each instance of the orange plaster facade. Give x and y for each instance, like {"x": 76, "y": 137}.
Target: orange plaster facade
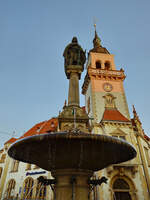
{"x": 97, "y": 85}
{"x": 102, "y": 58}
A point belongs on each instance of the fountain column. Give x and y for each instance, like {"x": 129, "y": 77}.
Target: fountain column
{"x": 73, "y": 97}
{"x": 72, "y": 115}
{"x": 72, "y": 184}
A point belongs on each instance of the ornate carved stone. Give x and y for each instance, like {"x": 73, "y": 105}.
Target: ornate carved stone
{"x": 122, "y": 170}
{"x": 73, "y": 117}
{"x": 109, "y": 101}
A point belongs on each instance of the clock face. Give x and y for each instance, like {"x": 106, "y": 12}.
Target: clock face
{"x": 107, "y": 87}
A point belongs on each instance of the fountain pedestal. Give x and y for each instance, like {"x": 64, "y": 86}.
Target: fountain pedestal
{"x": 72, "y": 184}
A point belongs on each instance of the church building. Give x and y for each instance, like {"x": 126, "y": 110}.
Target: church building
{"x": 107, "y": 110}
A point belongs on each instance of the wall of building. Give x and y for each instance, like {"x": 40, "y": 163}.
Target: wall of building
{"x": 19, "y": 176}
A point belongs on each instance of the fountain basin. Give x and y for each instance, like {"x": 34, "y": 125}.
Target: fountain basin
{"x": 69, "y": 150}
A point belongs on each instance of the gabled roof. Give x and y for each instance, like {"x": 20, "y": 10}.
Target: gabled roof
{"x": 11, "y": 140}
{"x": 40, "y": 128}
{"x": 114, "y": 115}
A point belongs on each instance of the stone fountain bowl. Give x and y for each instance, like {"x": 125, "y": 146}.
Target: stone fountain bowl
{"x": 69, "y": 150}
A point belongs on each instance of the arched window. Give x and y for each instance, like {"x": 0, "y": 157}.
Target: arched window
{"x": 28, "y": 188}
{"x": 40, "y": 191}
{"x": 10, "y": 188}
{"x": 98, "y": 65}
{"x": 121, "y": 190}
{"x": 107, "y": 65}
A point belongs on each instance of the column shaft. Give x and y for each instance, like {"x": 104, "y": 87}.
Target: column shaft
{"x": 73, "y": 97}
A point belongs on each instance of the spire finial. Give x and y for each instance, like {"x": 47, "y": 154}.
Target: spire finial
{"x": 94, "y": 21}
{"x": 97, "y": 47}
{"x": 96, "y": 40}
{"x": 95, "y": 26}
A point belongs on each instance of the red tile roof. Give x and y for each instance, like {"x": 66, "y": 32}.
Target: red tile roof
{"x": 11, "y": 140}
{"x": 114, "y": 115}
{"x": 42, "y": 127}
{"x": 147, "y": 137}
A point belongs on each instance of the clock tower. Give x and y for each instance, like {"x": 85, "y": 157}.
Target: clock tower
{"x": 103, "y": 79}
{"x": 106, "y": 106}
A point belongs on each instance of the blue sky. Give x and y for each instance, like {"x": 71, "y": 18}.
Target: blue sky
{"x": 33, "y": 35}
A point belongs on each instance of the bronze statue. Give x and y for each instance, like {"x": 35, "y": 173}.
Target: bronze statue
{"x": 74, "y": 54}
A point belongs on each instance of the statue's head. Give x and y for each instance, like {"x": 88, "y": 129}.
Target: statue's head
{"x": 74, "y": 40}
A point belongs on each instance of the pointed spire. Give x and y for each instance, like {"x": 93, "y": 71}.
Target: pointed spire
{"x": 134, "y": 111}
{"x": 65, "y": 104}
{"x": 97, "y": 44}
{"x": 97, "y": 40}
{"x": 135, "y": 115}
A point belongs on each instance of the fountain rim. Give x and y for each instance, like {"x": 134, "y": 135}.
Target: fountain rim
{"x": 73, "y": 135}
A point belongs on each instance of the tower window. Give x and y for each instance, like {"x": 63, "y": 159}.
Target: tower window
{"x": 98, "y": 65}
{"x": 107, "y": 65}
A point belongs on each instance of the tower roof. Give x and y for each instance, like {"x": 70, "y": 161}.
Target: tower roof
{"x": 114, "y": 115}
{"x": 97, "y": 45}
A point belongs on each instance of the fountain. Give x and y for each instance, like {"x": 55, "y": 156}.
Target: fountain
{"x": 73, "y": 153}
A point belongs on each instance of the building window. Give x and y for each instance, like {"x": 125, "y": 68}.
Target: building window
{"x": 121, "y": 190}
{"x": 147, "y": 156}
{"x": 40, "y": 191}
{"x": 28, "y": 188}
{"x": 10, "y": 188}
{"x": 15, "y": 166}
{"x": 2, "y": 160}
{"x": 98, "y": 65}
{"x": 28, "y": 166}
{"x": 107, "y": 65}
